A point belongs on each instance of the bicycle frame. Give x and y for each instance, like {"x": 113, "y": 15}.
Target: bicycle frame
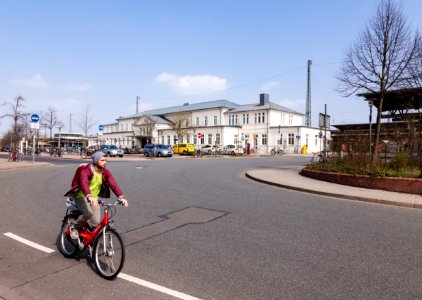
{"x": 89, "y": 237}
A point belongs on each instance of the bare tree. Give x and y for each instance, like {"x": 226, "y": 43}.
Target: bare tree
{"x": 180, "y": 123}
{"x": 414, "y": 71}
{"x": 86, "y": 121}
{"x": 49, "y": 120}
{"x": 18, "y": 117}
{"x": 378, "y": 60}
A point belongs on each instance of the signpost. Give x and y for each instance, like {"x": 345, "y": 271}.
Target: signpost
{"x": 35, "y": 124}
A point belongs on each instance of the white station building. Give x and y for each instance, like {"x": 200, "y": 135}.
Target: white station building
{"x": 264, "y": 125}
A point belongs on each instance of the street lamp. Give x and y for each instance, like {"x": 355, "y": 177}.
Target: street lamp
{"x": 370, "y": 103}
{"x": 60, "y": 129}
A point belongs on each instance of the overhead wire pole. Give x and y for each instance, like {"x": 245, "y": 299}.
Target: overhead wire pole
{"x": 308, "y": 121}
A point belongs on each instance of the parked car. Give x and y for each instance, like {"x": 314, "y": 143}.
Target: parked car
{"x": 184, "y": 148}
{"x": 5, "y": 149}
{"x": 210, "y": 149}
{"x": 111, "y": 150}
{"x": 157, "y": 150}
{"x": 232, "y": 149}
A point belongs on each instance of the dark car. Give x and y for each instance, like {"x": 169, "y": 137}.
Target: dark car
{"x": 5, "y": 149}
{"x": 157, "y": 150}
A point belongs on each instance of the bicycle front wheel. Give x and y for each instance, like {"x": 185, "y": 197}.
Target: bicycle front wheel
{"x": 109, "y": 254}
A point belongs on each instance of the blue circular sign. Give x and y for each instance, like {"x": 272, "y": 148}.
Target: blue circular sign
{"x": 35, "y": 118}
{"x": 100, "y": 127}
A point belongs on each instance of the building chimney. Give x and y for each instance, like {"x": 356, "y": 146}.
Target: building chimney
{"x": 264, "y": 99}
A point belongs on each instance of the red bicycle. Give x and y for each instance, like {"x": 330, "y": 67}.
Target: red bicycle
{"x": 104, "y": 243}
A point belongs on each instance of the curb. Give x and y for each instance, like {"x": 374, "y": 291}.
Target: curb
{"x": 355, "y": 198}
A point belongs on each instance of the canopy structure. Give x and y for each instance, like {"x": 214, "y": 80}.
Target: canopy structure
{"x": 398, "y": 103}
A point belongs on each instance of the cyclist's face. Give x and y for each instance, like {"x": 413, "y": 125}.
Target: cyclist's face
{"x": 102, "y": 162}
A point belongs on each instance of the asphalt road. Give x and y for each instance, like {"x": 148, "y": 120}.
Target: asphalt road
{"x": 200, "y": 227}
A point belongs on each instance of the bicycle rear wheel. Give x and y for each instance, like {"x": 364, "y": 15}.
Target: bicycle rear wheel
{"x": 109, "y": 254}
{"x": 67, "y": 247}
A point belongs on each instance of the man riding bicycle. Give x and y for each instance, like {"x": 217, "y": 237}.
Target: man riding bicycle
{"x": 94, "y": 181}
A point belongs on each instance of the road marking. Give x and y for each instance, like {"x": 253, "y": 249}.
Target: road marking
{"x": 129, "y": 278}
{"x": 29, "y": 243}
{"x": 156, "y": 287}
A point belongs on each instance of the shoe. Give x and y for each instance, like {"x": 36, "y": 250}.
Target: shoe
{"x": 74, "y": 234}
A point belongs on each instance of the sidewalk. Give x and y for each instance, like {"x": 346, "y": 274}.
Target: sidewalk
{"x": 8, "y": 165}
{"x": 289, "y": 178}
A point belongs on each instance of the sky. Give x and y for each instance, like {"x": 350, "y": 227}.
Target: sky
{"x": 71, "y": 55}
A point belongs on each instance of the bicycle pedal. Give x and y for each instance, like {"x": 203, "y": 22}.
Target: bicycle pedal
{"x": 80, "y": 244}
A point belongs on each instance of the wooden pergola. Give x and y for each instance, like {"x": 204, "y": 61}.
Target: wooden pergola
{"x": 398, "y": 103}
{"x": 402, "y": 108}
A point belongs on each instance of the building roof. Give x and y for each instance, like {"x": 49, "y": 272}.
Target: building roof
{"x": 233, "y": 107}
{"x": 184, "y": 108}
{"x": 270, "y": 105}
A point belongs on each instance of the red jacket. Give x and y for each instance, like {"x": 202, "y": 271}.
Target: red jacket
{"x": 84, "y": 175}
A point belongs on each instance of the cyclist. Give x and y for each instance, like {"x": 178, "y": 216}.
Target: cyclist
{"x": 94, "y": 181}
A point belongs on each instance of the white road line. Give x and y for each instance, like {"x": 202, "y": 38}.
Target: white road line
{"x": 29, "y": 243}
{"x": 156, "y": 287}
{"x": 132, "y": 279}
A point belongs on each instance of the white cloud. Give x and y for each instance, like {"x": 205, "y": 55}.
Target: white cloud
{"x": 266, "y": 87}
{"x": 192, "y": 84}
{"x": 75, "y": 87}
{"x": 37, "y": 81}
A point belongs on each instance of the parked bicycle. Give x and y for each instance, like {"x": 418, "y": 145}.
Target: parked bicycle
{"x": 56, "y": 152}
{"x": 104, "y": 243}
{"x": 276, "y": 151}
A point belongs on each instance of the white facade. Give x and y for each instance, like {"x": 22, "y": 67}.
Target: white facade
{"x": 264, "y": 126}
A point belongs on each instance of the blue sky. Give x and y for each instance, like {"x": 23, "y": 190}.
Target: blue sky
{"x": 70, "y": 54}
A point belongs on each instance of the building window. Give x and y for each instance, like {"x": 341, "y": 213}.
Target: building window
{"x": 197, "y": 121}
{"x": 236, "y": 139}
{"x": 264, "y": 139}
{"x": 232, "y": 119}
{"x": 162, "y": 139}
{"x": 290, "y": 120}
{"x": 291, "y": 139}
{"x": 245, "y": 118}
{"x": 217, "y": 139}
{"x": 168, "y": 140}
{"x": 236, "y": 122}
{"x": 206, "y": 121}
{"x": 187, "y": 123}
{"x": 316, "y": 140}
{"x": 202, "y": 139}
{"x": 210, "y": 139}
{"x": 175, "y": 139}
{"x": 282, "y": 119}
{"x": 215, "y": 120}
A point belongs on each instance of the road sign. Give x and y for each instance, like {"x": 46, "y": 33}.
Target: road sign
{"x": 35, "y": 118}
{"x": 199, "y": 135}
{"x": 100, "y": 127}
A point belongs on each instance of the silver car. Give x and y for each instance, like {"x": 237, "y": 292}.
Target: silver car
{"x": 232, "y": 149}
{"x": 112, "y": 150}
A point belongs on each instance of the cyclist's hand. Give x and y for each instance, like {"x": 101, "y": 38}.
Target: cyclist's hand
{"x": 123, "y": 202}
{"x": 93, "y": 201}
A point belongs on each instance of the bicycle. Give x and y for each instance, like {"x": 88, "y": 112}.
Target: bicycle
{"x": 104, "y": 243}
{"x": 275, "y": 151}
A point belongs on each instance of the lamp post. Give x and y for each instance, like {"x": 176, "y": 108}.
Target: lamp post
{"x": 60, "y": 129}
{"x": 370, "y": 103}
